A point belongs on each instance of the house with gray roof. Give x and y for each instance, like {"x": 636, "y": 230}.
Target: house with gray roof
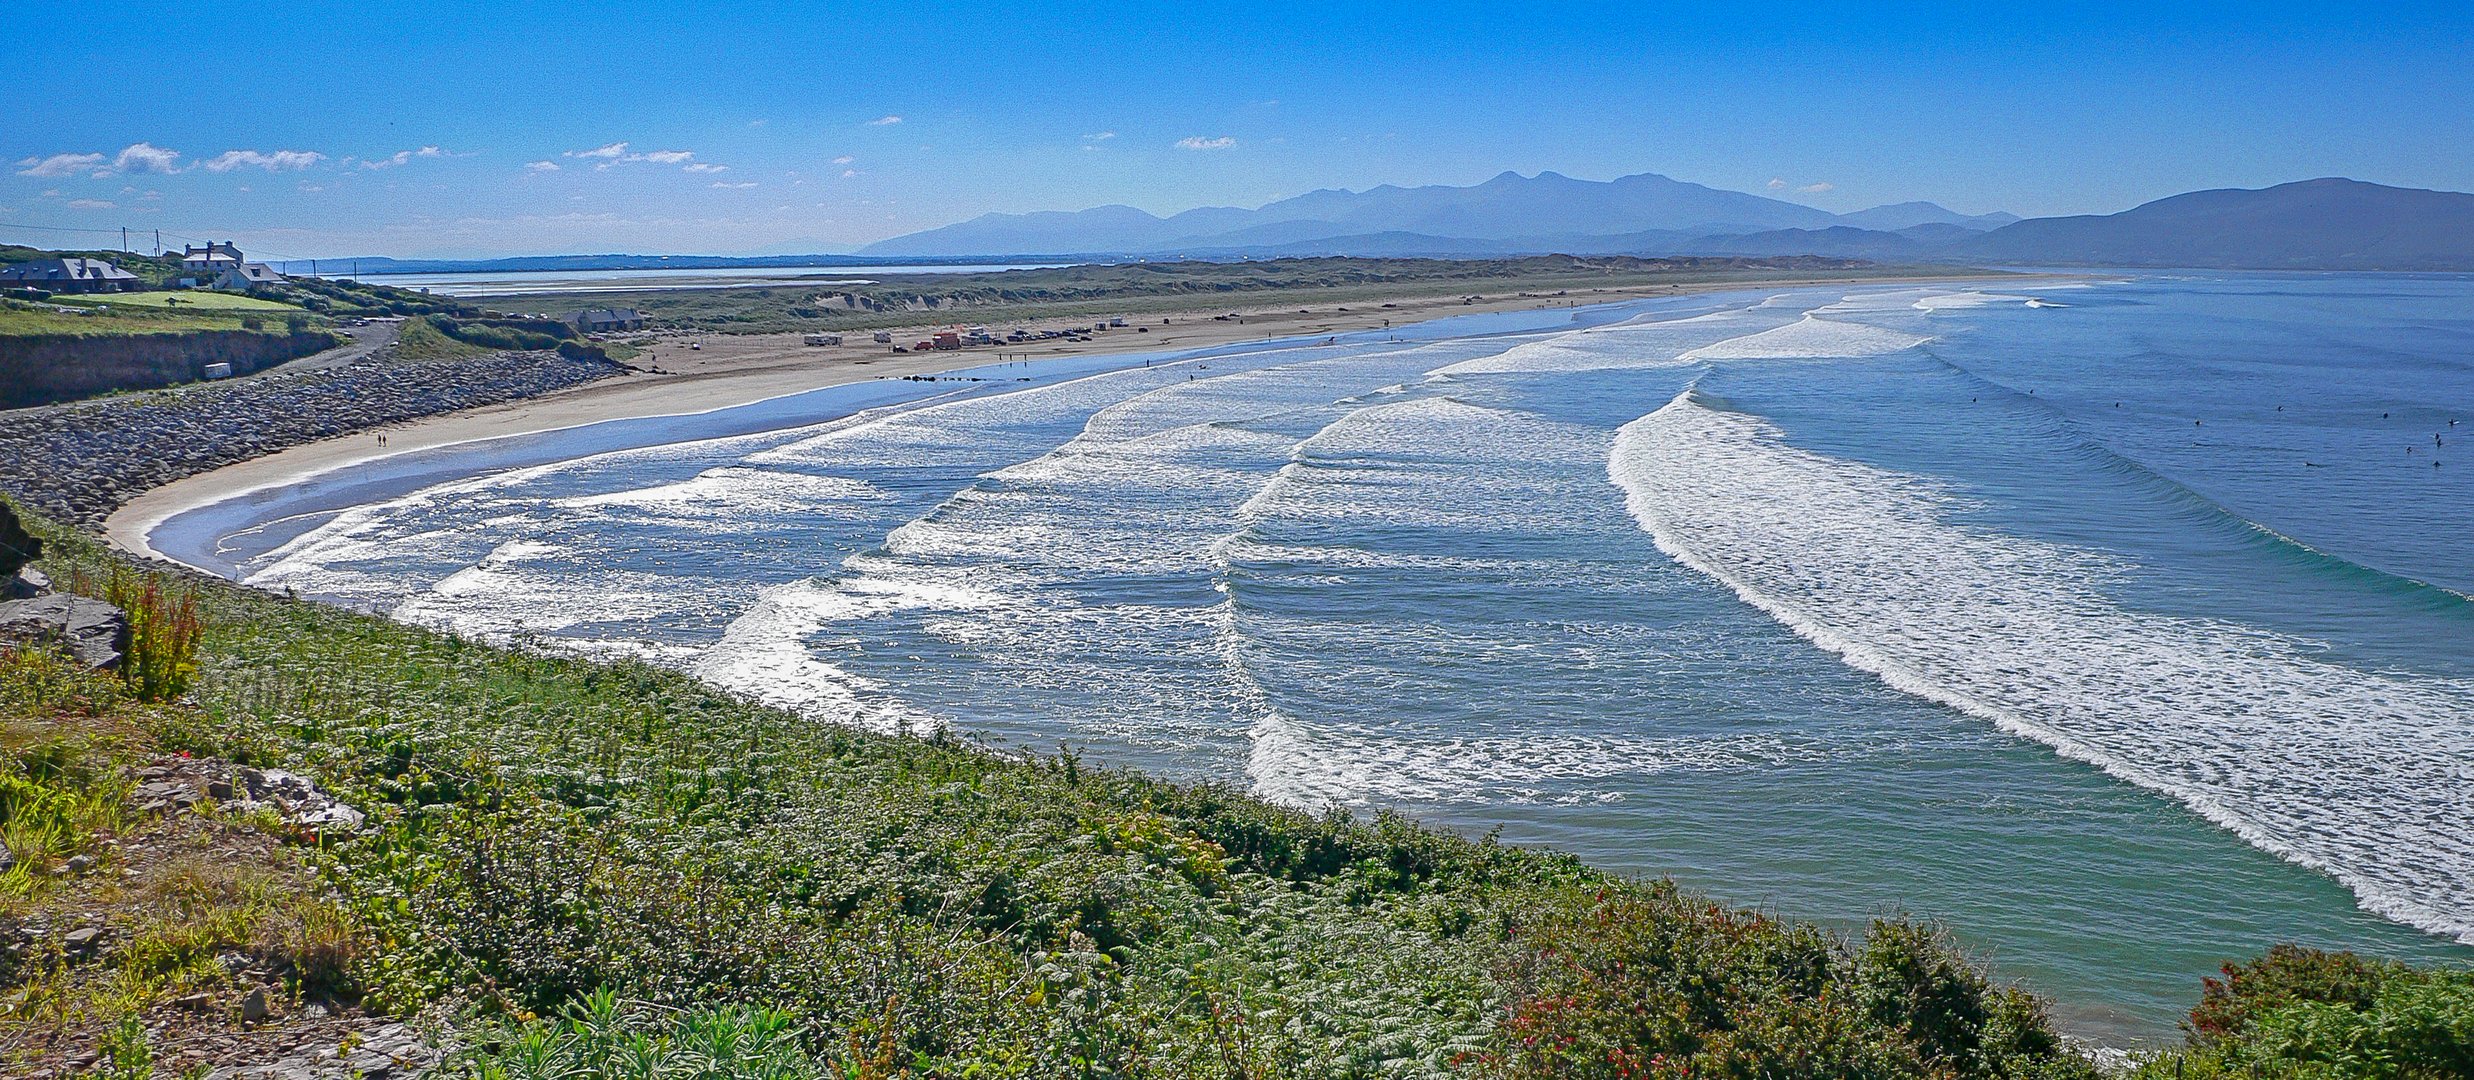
{"x": 599, "y": 320}
{"x": 247, "y": 277}
{"x": 70, "y": 275}
{"x": 212, "y": 259}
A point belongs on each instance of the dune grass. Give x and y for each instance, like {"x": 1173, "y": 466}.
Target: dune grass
{"x": 22, "y": 318}
{"x": 419, "y": 340}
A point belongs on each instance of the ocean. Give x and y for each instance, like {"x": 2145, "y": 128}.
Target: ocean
{"x": 2120, "y": 624}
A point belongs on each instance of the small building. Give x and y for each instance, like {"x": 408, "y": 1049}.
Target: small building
{"x": 68, "y": 275}
{"x": 213, "y": 259}
{"x": 824, "y": 339}
{"x": 247, "y": 277}
{"x": 604, "y": 320}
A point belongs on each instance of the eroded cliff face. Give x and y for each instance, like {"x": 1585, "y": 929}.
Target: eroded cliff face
{"x": 36, "y": 369}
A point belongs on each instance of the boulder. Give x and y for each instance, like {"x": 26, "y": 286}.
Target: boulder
{"x": 94, "y": 632}
{"x": 28, "y": 584}
{"x": 17, "y": 546}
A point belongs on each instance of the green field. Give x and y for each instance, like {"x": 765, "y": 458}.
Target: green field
{"x": 201, "y": 299}
{"x": 117, "y": 320}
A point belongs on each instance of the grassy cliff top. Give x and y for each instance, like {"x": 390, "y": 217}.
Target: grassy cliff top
{"x": 594, "y": 869}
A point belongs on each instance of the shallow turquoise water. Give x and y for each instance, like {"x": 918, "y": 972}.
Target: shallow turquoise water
{"x": 2121, "y": 624}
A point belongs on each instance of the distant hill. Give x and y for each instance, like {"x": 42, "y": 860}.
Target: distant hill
{"x": 1907, "y": 215}
{"x": 2329, "y": 224}
{"x": 1506, "y": 208}
{"x": 2326, "y": 224}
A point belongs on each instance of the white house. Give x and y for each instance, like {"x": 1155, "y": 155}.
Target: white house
{"x": 211, "y": 260}
{"x": 247, "y": 277}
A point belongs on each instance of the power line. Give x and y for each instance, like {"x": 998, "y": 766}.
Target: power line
{"x": 277, "y": 255}
{"x": 49, "y": 228}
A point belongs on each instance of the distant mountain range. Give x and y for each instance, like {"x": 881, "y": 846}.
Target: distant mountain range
{"x": 2326, "y": 224}
{"x": 1511, "y": 212}
{"x": 2334, "y": 224}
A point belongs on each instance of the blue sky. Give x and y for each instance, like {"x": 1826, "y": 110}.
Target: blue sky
{"x": 455, "y": 130}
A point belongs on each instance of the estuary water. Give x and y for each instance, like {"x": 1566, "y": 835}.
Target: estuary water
{"x": 2122, "y": 624}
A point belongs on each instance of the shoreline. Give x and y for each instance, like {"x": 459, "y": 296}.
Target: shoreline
{"x": 724, "y": 372}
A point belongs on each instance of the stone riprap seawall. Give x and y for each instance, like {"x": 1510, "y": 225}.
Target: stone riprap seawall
{"x": 78, "y": 462}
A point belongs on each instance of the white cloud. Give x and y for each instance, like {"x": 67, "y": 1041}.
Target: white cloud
{"x": 278, "y": 161}
{"x": 146, "y": 157}
{"x": 1777, "y": 184}
{"x": 844, "y": 160}
{"x": 617, "y": 154}
{"x": 885, "y": 121}
{"x": 740, "y": 185}
{"x": 91, "y": 204}
{"x": 403, "y": 157}
{"x": 541, "y": 166}
{"x": 1197, "y": 142}
{"x": 848, "y": 173}
{"x": 59, "y": 165}
{"x": 1817, "y": 188}
{"x": 705, "y": 167}
{"x": 1099, "y": 136}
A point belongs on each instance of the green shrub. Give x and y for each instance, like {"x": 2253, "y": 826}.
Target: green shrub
{"x": 164, "y": 626}
{"x": 599, "y": 1036}
{"x": 2305, "y": 1014}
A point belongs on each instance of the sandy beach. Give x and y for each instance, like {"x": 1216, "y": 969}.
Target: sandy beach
{"x": 682, "y": 374}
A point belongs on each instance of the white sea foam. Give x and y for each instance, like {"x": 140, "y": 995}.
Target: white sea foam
{"x": 765, "y": 652}
{"x": 1811, "y": 337}
{"x": 1453, "y": 473}
{"x": 2365, "y": 775}
{"x": 734, "y": 491}
{"x": 1643, "y": 344}
{"x": 1963, "y": 300}
{"x": 1028, "y": 569}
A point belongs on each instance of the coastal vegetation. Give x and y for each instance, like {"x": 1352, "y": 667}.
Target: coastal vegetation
{"x": 841, "y": 301}
{"x": 443, "y": 337}
{"x": 587, "y": 868}
{"x": 68, "y": 345}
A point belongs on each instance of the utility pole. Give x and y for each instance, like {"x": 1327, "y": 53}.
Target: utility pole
{"x": 124, "y": 239}
{"x": 158, "y": 242}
